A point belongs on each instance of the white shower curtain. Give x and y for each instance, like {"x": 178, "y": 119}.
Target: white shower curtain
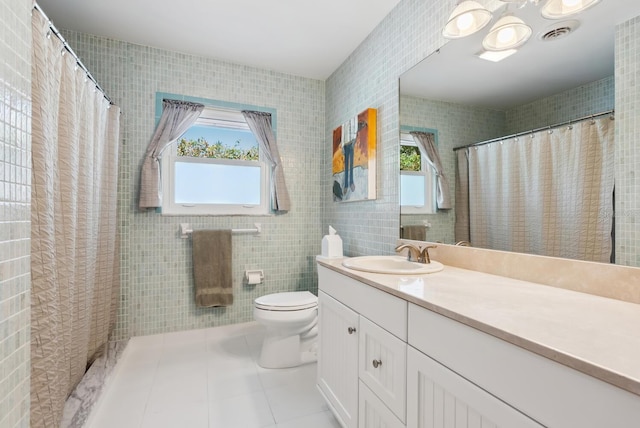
{"x": 74, "y": 252}
{"x": 549, "y": 193}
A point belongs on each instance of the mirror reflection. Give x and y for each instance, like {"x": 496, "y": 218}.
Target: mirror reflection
{"x": 524, "y": 198}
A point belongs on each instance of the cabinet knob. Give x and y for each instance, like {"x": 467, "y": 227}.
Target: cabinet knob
{"x": 377, "y": 363}
{"x": 351, "y": 330}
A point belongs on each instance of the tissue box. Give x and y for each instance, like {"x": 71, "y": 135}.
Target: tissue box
{"x": 331, "y": 246}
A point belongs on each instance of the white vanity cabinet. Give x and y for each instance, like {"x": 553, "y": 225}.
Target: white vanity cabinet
{"x": 484, "y": 376}
{"x": 362, "y": 352}
{"x": 338, "y": 358}
{"x": 385, "y": 362}
{"x": 439, "y": 398}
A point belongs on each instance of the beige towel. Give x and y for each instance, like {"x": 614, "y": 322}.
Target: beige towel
{"x": 212, "y": 267}
{"x": 416, "y": 233}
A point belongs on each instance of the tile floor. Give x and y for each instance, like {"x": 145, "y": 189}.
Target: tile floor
{"x": 207, "y": 378}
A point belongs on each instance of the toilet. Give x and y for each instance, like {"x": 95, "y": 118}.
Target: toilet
{"x": 291, "y": 328}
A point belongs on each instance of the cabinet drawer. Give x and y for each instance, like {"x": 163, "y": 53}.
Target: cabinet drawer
{"x": 383, "y": 365}
{"x": 386, "y": 310}
{"x": 373, "y": 413}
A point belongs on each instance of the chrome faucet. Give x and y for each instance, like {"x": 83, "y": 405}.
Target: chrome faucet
{"x": 415, "y": 253}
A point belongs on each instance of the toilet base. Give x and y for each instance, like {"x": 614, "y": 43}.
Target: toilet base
{"x": 279, "y": 352}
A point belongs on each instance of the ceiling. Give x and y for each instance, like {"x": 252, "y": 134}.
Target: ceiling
{"x": 539, "y": 69}
{"x": 307, "y": 38}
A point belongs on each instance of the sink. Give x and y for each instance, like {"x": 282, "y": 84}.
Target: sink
{"x": 397, "y": 265}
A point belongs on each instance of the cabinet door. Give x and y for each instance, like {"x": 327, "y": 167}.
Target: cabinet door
{"x": 373, "y": 412}
{"x": 338, "y": 358}
{"x": 383, "y": 365}
{"x": 440, "y": 398}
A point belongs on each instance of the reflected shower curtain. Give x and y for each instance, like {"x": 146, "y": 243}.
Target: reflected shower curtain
{"x": 74, "y": 252}
{"x": 548, "y": 193}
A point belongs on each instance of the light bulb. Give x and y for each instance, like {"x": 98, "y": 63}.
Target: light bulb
{"x": 464, "y": 21}
{"x": 571, "y": 3}
{"x": 506, "y": 35}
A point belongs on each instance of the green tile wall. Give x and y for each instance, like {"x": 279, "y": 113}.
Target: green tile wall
{"x": 15, "y": 208}
{"x": 627, "y": 100}
{"x": 157, "y": 285}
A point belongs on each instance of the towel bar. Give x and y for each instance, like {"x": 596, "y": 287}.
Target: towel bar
{"x": 186, "y": 230}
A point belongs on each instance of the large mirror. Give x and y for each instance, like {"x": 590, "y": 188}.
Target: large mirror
{"x": 564, "y": 72}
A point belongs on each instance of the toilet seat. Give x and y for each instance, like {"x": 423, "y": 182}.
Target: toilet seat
{"x": 288, "y": 301}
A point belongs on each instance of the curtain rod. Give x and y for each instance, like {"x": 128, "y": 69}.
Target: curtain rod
{"x": 569, "y": 122}
{"x": 66, "y": 46}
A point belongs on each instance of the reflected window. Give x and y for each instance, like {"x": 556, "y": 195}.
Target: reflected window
{"x": 417, "y": 179}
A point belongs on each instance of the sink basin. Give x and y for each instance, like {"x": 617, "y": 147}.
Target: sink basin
{"x": 397, "y": 265}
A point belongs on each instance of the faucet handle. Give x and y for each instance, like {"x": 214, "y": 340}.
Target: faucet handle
{"x": 424, "y": 254}
{"x": 413, "y": 253}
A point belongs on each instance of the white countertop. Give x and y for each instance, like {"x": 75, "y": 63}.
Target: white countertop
{"x": 595, "y": 335}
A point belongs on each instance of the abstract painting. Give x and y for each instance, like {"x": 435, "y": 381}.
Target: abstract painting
{"x": 354, "y": 158}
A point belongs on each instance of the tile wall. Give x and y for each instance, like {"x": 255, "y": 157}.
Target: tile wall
{"x": 15, "y": 195}
{"x": 592, "y": 98}
{"x": 457, "y": 125}
{"x": 369, "y": 78}
{"x": 627, "y": 146}
{"x": 157, "y": 286}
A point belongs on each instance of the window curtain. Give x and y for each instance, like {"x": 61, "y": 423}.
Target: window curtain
{"x": 427, "y": 145}
{"x": 548, "y": 193}
{"x": 74, "y": 247}
{"x": 260, "y": 124}
{"x": 177, "y": 117}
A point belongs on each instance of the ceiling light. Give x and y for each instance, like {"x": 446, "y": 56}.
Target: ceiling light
{"x": 467, "y": 18}
{"x": 556, "y": 9}
{"x": 496, "y": 56}
{"x": 509, "y": 32}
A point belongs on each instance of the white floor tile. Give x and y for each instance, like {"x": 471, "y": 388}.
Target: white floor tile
{"x": 247, "y": 411}
{"x": 177, "y": 390}
{"x": 317, "y": 420}
{"x": 231, "y": 383}
{"x": 208, "y": 378}
{"x": 273, "y": 378}
{"x": 119, "y": 408}
{"x": 192, "y": 415}
{"x": 294, "y": 401}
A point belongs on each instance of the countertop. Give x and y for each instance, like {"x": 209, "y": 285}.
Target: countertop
{"x": 595, "y": 335}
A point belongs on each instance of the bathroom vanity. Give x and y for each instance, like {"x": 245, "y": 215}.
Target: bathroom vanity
{"x": 462, "y": 348}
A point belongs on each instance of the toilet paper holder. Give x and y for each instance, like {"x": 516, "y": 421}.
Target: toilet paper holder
{"x": 254, "y": 276}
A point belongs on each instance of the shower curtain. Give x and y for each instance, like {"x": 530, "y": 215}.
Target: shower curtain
{"x": 74, "y": 248}
{"x": 548, "y": 193}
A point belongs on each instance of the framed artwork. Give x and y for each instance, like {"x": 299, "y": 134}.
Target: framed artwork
{"x": 354, "y": 158}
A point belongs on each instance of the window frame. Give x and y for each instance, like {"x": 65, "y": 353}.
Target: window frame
{"x": 428, "y": 171}
{"x": 169, "y": 157}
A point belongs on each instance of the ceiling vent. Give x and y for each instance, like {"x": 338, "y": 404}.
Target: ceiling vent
{"x": 559, "y": 30}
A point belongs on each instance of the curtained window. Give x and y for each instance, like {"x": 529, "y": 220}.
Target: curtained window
{"x": 417, "y": 179}
{"x": 216, "y": 168}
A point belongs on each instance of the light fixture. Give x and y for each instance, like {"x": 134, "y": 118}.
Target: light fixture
{"x": 509, "y": 32}
{"x": 557, "y": 9}
{"x": 467, "y": 18}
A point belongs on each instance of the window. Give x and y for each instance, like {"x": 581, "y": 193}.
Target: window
{"x": 215, "y": 168}
{"x": 417, "y": 179}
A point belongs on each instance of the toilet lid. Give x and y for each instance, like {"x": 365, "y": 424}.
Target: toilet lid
{"x": 289, "y": 301}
